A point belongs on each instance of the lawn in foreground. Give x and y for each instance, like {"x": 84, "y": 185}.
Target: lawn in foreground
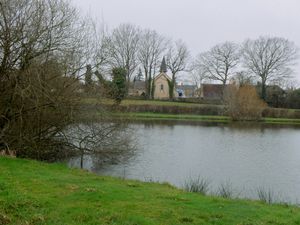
{"x": 38, "y": 193}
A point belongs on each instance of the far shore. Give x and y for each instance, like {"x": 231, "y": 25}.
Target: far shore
{"x": 155, "y": 110}
{"x": 198, "y": 118}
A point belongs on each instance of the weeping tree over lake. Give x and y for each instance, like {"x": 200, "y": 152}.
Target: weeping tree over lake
{"x": 109, "y": 142}
{"x": 44, "y": 47}
{"x": 40, "y": 45}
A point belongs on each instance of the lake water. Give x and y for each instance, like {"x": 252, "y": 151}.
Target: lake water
{"x": 246, "y": 158}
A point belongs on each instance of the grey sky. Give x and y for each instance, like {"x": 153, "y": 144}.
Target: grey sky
{"x": 203, "y": 23}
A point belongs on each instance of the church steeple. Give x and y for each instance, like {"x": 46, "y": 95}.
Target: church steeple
{"x": 163, "y": 66}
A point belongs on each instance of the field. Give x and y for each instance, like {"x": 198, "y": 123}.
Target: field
{"x": 128, "y": 102}
{"x": 182, "y": 111}
{"x": 175, "y": 117}
{"x": 38, "y": 193}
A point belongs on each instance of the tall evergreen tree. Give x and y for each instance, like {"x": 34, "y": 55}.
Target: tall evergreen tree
{"x": 88, "y": 78}
{"x": 118, "y": 88}
{"x": 163, "y": 66}
{"x": 139, "y": 76}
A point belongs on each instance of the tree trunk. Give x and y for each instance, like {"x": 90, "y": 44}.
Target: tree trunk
{"x": 152, "y": 88}
{"x": 171, "y": 87}
{"x": 263, "y": 90}
{"x": 223, "y": 89}
{"x": 148, "y": 88}
{"x": 81, "y": 161}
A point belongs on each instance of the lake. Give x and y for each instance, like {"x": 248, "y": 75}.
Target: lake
{"x": 245, "y": 157}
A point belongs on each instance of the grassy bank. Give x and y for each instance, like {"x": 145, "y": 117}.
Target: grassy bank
{"x": 127, "y": 102}
{"x": 197, "y": 118}
{"x": 174, "y": 117}
{"x": 37, "y": 193}
{"x": 166, "y": 110}
{"x": 284, "y": 121}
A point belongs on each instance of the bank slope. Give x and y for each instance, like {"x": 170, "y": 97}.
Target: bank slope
{"x": 39, "y": 193}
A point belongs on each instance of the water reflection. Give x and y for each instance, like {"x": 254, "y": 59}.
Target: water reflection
{"x": 249, "y": 157}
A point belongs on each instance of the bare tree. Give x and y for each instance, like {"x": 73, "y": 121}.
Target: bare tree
{"x": 150, "y": 52}
{"x": 198, "y": 74}
{"x": 41, "y": 46}
{"x": 219, "y": 62}
{"x": 269, "y": 58}
{"x": 177, "y": 61}
{"x": 110, "y": 141}
{"x": 44, "y": 46}
{"x": 41, "y": 30}
{"x": 99, "y": 48}
{"x": 243, "y": 77}
{"x": 124, "y": 42}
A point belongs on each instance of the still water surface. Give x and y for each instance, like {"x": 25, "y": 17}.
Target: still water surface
{"x": 246, "y": 158}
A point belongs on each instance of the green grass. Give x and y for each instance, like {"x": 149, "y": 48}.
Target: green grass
{"x": 164, "y": 116}
{"x": 159, "y": 103}
{"x": 38, "y": 193}
{"x": 182, "y": 117}
{"x": 127, "y": 102}
{"x": 281, "y": 121}
{"x": 197, "y": 118}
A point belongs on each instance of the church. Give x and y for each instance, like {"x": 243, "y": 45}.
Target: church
{"x": 160, "y": 84}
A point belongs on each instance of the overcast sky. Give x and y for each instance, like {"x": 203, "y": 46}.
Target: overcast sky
{"x": 203, "y": 23}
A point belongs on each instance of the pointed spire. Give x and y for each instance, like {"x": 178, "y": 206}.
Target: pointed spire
{"x": 163, "y": 66}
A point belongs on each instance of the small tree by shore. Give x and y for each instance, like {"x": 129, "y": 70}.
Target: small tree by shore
{"x": 243, "y": 103}
{"x": 118, "y": 87}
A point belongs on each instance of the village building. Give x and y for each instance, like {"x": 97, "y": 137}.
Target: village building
{"x": 137, "y": 88}
{"x": 186, "y": 91}
{"x": 211, "y": 91}
{"x": 160, "y": 85}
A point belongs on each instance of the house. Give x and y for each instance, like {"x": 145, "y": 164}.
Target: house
{"x": 186, "y": 91}
{"x": 211, "y": 91}
{"x": 160, "y": 86}
{"x": 138, "y": 88}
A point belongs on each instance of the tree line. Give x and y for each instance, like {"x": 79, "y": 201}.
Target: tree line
{"x": 267, "y": 60}
{"x": 140, "y": 51}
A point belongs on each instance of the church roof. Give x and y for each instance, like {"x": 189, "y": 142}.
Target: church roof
{"x": 163, "y": 66}
{"x": 162, "y": 74}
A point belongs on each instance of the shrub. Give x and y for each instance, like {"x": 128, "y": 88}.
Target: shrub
{"x": 293, "y": 99}
{"x": 197, "y": 185}
{"x": 225, "y": 190}
{"x": 266, "y": 196}
{"x": 243, "y": 103}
